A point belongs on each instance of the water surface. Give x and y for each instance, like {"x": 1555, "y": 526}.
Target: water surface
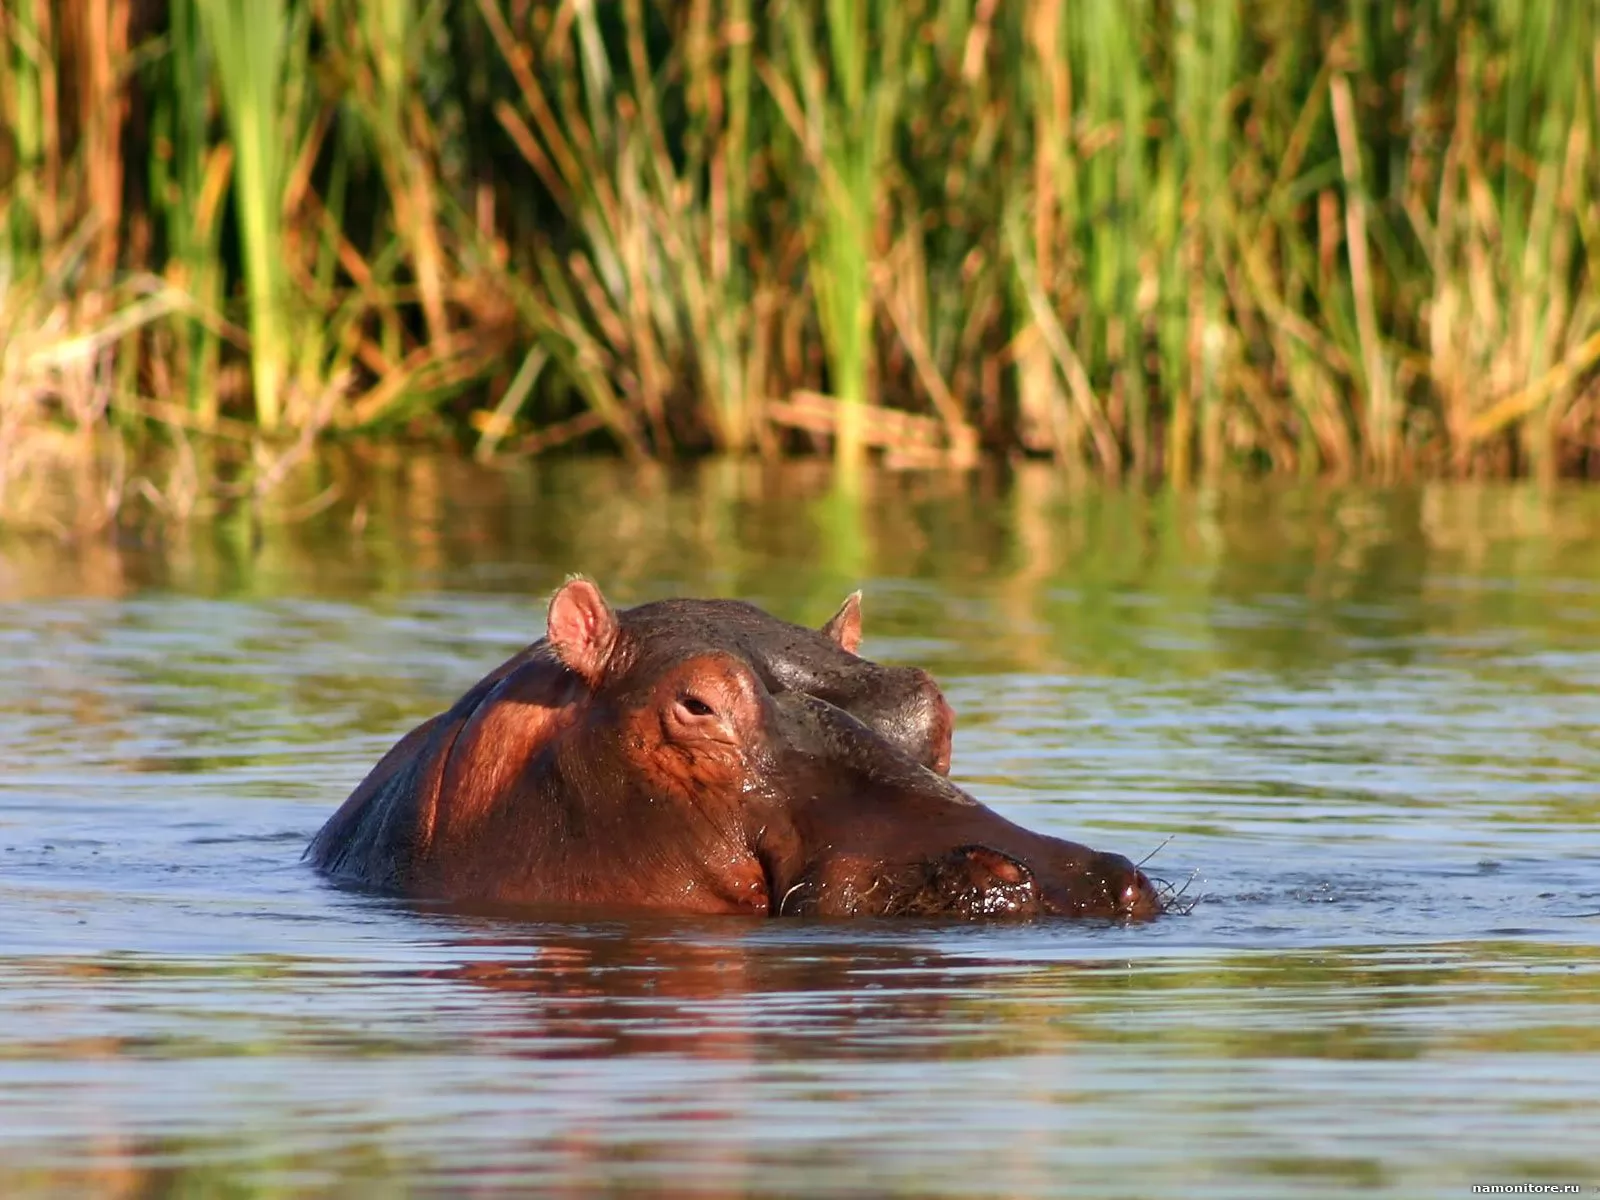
{"x": 1363, "y": 726}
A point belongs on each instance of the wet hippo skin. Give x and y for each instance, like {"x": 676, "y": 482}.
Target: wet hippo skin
{"x": 701, "y": 756}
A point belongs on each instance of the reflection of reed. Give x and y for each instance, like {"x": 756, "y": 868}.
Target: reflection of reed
{"x": 1037, "y": 519}
{"x": 1230, "y": 576}
{"x": 783, "y": 1025}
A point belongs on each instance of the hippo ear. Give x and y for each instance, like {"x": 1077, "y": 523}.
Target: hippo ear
{"x": 582, "y": 628}
{"x": 844, "y": 627}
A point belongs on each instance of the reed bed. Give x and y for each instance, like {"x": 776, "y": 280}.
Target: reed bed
{"x": 1142, "y": 239}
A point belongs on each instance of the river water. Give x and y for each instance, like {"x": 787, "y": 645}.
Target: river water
{"x": 1362, "y": 727}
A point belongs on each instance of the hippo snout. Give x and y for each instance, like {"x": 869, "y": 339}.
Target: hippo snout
{"x": 1130, "y": 890}
{"x": 1100, "y": 884}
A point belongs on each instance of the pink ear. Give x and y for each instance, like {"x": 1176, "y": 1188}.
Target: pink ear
{"x": 583, "y": 628}
{"x": 844, "y": 627}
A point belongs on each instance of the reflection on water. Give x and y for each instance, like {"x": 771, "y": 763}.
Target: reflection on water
{"x": 1368, "y": 722}
{"x": 782, "y": 1060}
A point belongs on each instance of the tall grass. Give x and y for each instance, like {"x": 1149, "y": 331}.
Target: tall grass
{"x": 1138, "y": 238}
{"x": 842, "y": 111}
{"x": 189, "y": 172}
{"x": 250, "y": 40}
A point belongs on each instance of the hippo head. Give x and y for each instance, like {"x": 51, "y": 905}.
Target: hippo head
{"x": 902, "y": 705}
{"x": 703, "y": 757}
{"x": 791, "y": 799}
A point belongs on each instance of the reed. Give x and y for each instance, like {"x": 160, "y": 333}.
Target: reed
{"x": 27, "y": 101}
{"x": 841, "y": 109}
{"x": 250, "y": 42}
{"x": 1132, "y": 237}
{"x": 189, "y": 174}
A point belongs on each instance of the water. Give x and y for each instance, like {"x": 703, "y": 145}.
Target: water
{"x": 1368, "y": 722}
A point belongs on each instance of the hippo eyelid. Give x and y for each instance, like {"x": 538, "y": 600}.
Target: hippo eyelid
{"x": 696, "y": 706}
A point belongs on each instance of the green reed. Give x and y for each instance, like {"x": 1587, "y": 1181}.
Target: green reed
{"x": 842, "y": 109}
{"x": 250, "y": 42}
{"x": 23, "y": 102}
{"x": 1134, "y": 237}
{"x": 189, "y": 170}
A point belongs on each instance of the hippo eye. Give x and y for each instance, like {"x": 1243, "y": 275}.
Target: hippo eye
{"x": 695, "y": 706}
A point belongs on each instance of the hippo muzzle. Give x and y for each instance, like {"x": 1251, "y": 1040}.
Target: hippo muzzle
{"x": 871, "y": 831}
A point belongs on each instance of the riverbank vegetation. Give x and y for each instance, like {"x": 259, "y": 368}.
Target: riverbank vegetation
{"x": 1143, "y": 238}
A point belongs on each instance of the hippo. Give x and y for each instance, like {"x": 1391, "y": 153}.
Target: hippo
{"x": 702, "y": 757}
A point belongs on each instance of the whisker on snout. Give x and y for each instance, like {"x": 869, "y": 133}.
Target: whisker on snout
{"x": 786, "y": 895}
{"x": 1165, "y": 842}
{"x": 1172, "y": 896}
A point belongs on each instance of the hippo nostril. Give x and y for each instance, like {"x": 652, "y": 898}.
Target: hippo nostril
{"x": 1140, "y": 898}
{"x": 1128, "y": 889}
